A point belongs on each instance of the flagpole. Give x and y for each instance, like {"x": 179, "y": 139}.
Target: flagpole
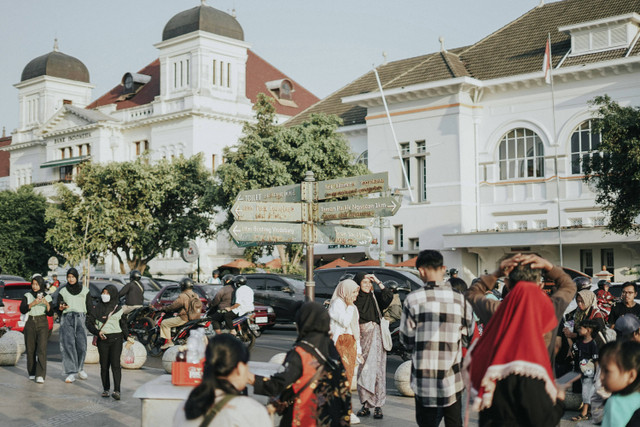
{"x": 555, "y": 157}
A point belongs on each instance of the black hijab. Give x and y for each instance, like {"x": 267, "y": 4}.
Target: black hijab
{"x": 101, "y": 309}
{"x": 313, "y": 322}
{"x": 74, "y": 289}
{"x": 366, "y": 303}
{"x": 41, "y": 283}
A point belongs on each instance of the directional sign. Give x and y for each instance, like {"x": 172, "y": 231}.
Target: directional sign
{"x": 351, "y": 186}
{"x": 247, "y": 233}
{"x": 267, "y": 211}
{"x": 285, "y": 193}
{"x": 357, "y": 222}
{"x": 357, "y": 208}
{"x": 326, "y": 234}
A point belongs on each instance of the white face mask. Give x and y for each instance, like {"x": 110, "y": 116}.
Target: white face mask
{"x": 105, "y": 298}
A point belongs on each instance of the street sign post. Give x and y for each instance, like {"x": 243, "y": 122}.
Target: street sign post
{"x": 267, "y": 211}
{"x": 285, "y": 193}
{"x": 353, "y": 185}
{"x": 357, "y": 208}
{"x": 326, "y": 234}
{"x": 255, "y": 233}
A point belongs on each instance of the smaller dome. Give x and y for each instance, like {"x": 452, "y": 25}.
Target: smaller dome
{"x": 203, "y": 18}
{"x": 56, "y": 64}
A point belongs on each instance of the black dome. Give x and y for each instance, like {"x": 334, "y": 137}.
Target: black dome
{"x": 203, "y": 18}
{"x": 56, "y": 64}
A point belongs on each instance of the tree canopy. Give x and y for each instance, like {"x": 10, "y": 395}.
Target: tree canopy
{"x": 134, "y": 210}
{"x": 269, "y": 155}
{"x": 613, "y": 170}
{"x": 23, "y": 250}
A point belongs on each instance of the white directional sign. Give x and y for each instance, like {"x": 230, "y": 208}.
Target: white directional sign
{"x": 247, "y": 233}
{"x": 285, "y": 193}
{"x": 357, "y": 208}
{"x": 327, "y": 234}
{"x": 354, "y": 185}
{"x": 267, "y": 211}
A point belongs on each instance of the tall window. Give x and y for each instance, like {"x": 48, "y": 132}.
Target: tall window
{"x": 399, "y": 237}
{"x": 606, "y": 259}
{"x": 421, "y": 160}
{"x": 586, "y": 261}
{"x": 181, "y": 74}
{"x": 521, "y": 155}
{"x": 583, "y": 144}
{"x": 363, "y": 158}
{"x": 141, "y": 147}
{"x": 405, "y": 151}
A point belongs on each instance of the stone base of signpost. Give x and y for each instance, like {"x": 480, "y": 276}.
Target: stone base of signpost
{"x": 92, "y": 356}
{"x": 169, "y": 357}
{"x": 11, "y": 348}
{"x": 402, "y": 379}
{"x": 140, "y": 356}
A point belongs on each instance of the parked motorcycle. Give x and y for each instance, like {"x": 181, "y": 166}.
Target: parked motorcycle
{"x": 179, "y": 334}
{"x": 398, "y": 348}
{"x": 141, "y": 323}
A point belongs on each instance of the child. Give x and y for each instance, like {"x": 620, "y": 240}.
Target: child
{"x": 605, "y": 299}
{"x": 585, "y": 355}
{"x": 620, "y": 364}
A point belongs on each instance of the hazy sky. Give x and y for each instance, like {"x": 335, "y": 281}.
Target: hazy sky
{"x": 322, "y": 45}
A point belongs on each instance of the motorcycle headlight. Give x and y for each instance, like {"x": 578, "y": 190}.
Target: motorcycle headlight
{"x": 270, "y": 310}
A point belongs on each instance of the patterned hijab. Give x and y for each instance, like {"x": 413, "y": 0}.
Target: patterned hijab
{"x": 590, "y": 301}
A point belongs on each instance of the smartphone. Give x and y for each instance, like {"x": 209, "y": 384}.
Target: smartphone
{"x": 568, "y": 378}
{"x": 40, "y": 295}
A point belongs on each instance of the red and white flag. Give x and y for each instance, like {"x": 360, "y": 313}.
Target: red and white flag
{"x": 546, "y": 65}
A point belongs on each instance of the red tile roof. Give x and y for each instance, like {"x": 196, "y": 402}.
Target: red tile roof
{"x": 259, "y": 72}
{"x": 4, "y": 157}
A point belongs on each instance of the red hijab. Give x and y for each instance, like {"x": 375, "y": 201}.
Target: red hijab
{"x": 512, "y": 343}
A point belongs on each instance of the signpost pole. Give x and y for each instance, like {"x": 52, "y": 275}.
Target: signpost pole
{"x": 308, "y": 234}
{"x": 383, "y": 255}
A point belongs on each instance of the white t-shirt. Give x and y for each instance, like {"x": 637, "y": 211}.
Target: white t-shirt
{"x": 241, "y": 411}
{"x": 244, "y": 297}
{"x": 341, "y": 320}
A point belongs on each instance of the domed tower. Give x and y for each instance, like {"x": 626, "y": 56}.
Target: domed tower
{"x": 203, "y": 52}
{"x": 47, "y": 83}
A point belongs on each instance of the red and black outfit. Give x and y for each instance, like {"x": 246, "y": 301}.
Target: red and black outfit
{"x": 509, "y": 366}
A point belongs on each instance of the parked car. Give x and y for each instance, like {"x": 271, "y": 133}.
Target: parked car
{"x": 285, "y": 293}
{"x": 151, "y": 287}
{"x": 327, "y": 279}
{"x": 13, "y": 293}
{"x": 11, "y": 278}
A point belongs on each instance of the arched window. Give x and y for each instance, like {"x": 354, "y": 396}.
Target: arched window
{"x": 521, "y": 155}
{"x": 583, "y": 143}
{"x": 363, "y": 158}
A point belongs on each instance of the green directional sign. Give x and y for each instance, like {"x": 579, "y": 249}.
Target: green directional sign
{"x": 357, "y": 208}
{"x": 328, "y": 234}
{"x": 267, "y": 211}
{"x": 285, "y": 193}
{"x": 356, "y": 222}
{"x": 248, "y": 233}
{"x": 354, "y": 185}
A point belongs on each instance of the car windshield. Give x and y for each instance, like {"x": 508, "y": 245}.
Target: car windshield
{"x": 16, "y": 292}
{"x": 150, "y": 285}
{"x": 297, "y": 284}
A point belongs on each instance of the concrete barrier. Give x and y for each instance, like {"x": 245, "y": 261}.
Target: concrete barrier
{"x": 169, "y": 357}
{"x": 402, "y": 378}
{"x": 140, "y": 353}
{"x": 19, "y": 339}
{"x": 11, "y": 348}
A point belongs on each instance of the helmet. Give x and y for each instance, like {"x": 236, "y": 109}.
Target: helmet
{"x": 453, "y": 271}
{"x": 216, "y": 271}
{"x": 135, "y": 275}
{"x": 227, "y": 279}
{"x": 240, "y": 280}
{"x": 582, "y": 283}
{"x": 185, "y": 284}
{"x": 601, "y": 283}
{"x": 393, "y": 285}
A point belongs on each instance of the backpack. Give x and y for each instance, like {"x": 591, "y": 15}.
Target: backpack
{"x": 194, "y": 307}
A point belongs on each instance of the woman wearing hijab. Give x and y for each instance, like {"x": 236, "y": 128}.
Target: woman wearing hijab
{"x": 587, "y": 310}
{"x": 509, "y": 366}
{"x": 37, "y": 304}
{"x": 73, "y": 301}
{"x": 372, "y": 376}
{"x": 106, "y": 321}
{"x": 313, "y": 375}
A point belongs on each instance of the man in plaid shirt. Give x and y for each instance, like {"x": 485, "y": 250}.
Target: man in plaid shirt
{"x": 437, "y": 322}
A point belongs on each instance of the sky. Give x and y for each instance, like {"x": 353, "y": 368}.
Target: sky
{"x": 321, "y": 45}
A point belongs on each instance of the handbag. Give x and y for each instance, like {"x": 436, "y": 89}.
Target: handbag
{"x": 387, "y": 342}
{"x": 95, "y": 337}
{"x": 287, "y": 398}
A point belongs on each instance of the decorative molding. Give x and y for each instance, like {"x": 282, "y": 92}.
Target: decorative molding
{"x": 588, "y": 209}
{"x": 532, "y": 212}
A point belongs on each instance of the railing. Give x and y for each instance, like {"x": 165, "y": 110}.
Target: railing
{"x": 55, "y": 181}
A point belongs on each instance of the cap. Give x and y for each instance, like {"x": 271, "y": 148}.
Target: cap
{"x": 627, "y": 324}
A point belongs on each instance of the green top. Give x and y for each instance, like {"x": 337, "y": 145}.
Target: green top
{"x": 112, "y": 325}
{"x": 39, "y": 309}
{"x": 76, "y": 303}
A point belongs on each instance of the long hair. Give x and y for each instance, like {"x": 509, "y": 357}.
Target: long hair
{"x": 224, "y": 352}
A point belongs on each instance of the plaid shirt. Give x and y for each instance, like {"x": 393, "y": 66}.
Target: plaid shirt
{"x": 436, "y": 323}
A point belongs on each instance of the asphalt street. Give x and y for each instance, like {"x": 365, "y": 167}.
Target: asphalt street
{"x": 55, "y": 403}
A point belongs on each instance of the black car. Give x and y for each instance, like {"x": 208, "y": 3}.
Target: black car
{"x": 327, "y": 279}
{"x": 285, "y": 293}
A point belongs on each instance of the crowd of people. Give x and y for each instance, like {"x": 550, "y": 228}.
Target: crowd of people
{"x": 514, "y": 352}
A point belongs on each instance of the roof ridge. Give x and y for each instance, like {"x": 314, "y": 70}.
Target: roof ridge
{"x": 429, "y": 57}
{"x": 448, "y": 63}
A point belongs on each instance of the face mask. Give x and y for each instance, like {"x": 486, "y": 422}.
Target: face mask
{"x": 105, "y": 298}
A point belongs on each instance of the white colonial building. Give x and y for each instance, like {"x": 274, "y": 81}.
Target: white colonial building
{"x": 194, "y": 98}
{"x": 492, "y": 169}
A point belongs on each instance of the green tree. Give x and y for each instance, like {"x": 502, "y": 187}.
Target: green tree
{"x": 613, "y": 170}
{"x": 134, "y": 210}
{"x": 23, "y": 249}
{"x": 268, "y": 155}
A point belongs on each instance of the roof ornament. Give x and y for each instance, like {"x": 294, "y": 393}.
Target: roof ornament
{"x": 233, "y": 13}
{"x": 441, "y": 40}
{"x": 55, "y": 45}
{"x": 203, "y": 2}
{"x": 541, "y": 3}
{"x": 384, "y": 56}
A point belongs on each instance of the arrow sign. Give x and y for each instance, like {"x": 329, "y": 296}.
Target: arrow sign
{"x": 285, "y": 193}
{"x": 351, "y": 186}
{"x": 267, "y": 211}
{"x": 327, "y": 234}
{"x": 357, "y": 208}
{"x": 248, "y": 233}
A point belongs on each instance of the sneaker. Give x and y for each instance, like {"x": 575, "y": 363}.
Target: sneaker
{"x": 40, "y": 380}
{"x": 167, "y": 345}
{"x": 32, "y": 377}
{"x": 105, "y": 393}
{"x": 83, "y": 375}
{"x": 354, "y": 419}
{"x": 71, "y": 378}
{"x": 116, "y": 395}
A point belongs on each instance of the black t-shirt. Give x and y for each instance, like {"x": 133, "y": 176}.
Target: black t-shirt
{"x": 620, "y": 309}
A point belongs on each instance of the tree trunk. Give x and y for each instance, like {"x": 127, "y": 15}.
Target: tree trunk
{"x": 284, "y": 258}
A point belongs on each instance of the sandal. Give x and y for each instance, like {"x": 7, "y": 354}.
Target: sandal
{"x": 377, "y": 413}
{"x": 364, "y": 412}
{"x": 581, "y": 417}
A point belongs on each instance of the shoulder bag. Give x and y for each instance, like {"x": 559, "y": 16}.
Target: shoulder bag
{"x": 96, "y": 337}
{"x": 387, "y": 342}
{"x": 215, "y": 410}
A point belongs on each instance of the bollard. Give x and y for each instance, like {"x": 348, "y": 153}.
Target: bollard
{"x": 402, "y": 379}
{"x": 169, "y": 357}
{"x": 140, "y": 356}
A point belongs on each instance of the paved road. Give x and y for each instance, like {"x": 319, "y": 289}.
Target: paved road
{"x": 55, "y": 403}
